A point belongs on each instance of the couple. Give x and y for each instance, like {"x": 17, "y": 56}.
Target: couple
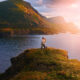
{"x": 43, "y": 43}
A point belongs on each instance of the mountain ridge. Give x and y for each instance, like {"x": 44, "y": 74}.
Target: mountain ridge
{"x": 22, "y": 18}
{"x": 57, "y": 19}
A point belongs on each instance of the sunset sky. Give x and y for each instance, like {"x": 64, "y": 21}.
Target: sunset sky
{"x": 69, "y": 9}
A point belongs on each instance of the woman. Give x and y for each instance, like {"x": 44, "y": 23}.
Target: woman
{"x": 43, "y": 43}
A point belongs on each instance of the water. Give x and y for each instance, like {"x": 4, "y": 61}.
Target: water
{"x": 11, "y": 47}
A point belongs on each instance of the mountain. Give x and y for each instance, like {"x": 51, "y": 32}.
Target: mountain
{"x": 18, "y": 17}
{"x": 22, "y": 18}
{"x": 17, "y": 13}
{"x": 57, "y": 20}
{"x": 63, "y": 25}
{"x": 46, "y": 64}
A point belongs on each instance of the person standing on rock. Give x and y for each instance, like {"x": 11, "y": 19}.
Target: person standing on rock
{"x": 43, "y": 43}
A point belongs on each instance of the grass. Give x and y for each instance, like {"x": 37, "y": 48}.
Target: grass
{"x": 21, "y": 16}
{"x": 47, "y": 64}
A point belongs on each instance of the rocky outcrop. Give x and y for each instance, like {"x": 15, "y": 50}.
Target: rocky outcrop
{"x": 47, "y": 64}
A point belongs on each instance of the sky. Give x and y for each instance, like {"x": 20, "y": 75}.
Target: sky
{"x": 69, "y": 9}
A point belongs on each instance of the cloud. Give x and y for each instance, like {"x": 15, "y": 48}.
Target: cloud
{"x": 69, "y": 9}
{"x": 56, "y": 3}
{"x": 39, "y": 2}
{"x": 2, "y": 0}
{"x": 59, "y": 1}
{"x": 36, "y": 3}
{"x": 52, "y": 3}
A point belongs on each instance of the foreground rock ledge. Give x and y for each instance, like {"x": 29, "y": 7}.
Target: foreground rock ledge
{"x": 46, "y": 64}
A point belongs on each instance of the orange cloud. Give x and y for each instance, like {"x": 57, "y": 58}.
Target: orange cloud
{"x": 52, "y": 3}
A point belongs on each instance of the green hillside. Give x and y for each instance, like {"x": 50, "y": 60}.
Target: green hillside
{"x": 18, "y": 14}
{"x": 47, "y": 64}
{"x": 19, "y": 17}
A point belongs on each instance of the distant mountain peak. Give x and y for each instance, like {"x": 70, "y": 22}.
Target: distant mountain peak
{"x": 22, "y": 18}
{"x": 57, "y": 19}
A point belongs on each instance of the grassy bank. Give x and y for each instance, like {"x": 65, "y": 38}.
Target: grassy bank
{"x": 47, "y": 64}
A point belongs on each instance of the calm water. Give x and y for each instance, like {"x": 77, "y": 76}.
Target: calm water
{"x": 10, "y": 47}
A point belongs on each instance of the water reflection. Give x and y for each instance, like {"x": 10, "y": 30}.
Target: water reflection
{"x": 10, "y": 47}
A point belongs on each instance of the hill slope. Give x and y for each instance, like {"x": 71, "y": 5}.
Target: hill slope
{"x": 63, "y": 25}
{"x": 22, "y": 18}
{"x": 57, "y": 20}
{"x": 17, "y": 13}
{"x": 19, "y": 17}
{"x": 48, "y": 64}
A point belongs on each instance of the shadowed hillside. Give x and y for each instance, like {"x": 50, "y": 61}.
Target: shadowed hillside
{"x": 48, "y": 64}
{"x": 18, "y": 14}
{"x": 22, "y": 18}
{"x": 57, "y": 20}
{"x": 63, "y": 25}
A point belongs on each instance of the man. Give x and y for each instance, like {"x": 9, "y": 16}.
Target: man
{"x": 43, "y": 43}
